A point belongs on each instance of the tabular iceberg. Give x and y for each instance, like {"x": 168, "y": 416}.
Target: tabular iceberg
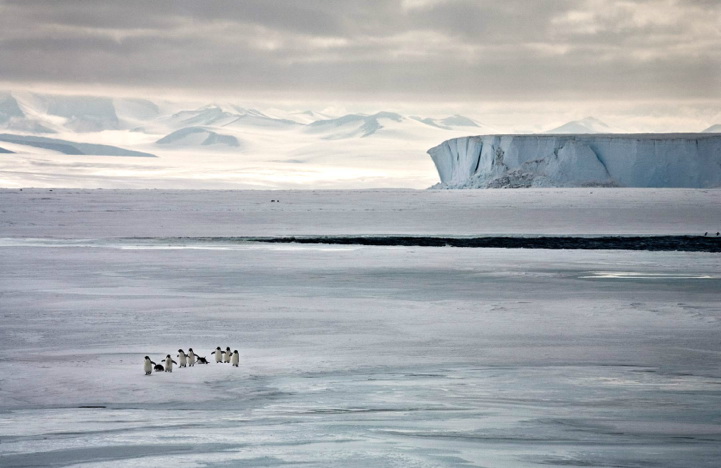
{"x": 614, "y": 160}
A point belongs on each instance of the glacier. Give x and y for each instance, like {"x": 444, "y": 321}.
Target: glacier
{"x": 606, "y": 160}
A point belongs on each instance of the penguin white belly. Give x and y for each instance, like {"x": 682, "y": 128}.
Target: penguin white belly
{"x": 218, "y": 356}
{"x": 148, "y": 366}
{"x": 235, "y": 360}
{"x": 168, "y": 365}
{"x": 191, "y": 359}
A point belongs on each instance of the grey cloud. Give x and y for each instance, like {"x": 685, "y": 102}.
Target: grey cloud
{"x": 310, "y": 17}
{"x": 487, "y": 20}
{"x": 509, "y": 50}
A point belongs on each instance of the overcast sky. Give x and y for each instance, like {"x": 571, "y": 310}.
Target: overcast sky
{"x": 415, "y": 50}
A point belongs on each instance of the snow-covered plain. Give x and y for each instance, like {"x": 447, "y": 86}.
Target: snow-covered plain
{"x": 356, "y": 356}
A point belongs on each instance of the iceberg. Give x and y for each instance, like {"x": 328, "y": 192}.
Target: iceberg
{"x": 611, "y": 160}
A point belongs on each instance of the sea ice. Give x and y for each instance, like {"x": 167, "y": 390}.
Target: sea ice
{"x": 349, "y": 355}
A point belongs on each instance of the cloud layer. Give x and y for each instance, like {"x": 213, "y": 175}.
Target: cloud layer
{"x": 414, "y": 49}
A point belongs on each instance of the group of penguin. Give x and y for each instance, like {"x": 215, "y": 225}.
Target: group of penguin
{"x": 190, "y": 359}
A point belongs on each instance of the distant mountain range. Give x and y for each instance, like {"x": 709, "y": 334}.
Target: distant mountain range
{"x": 193, "y": 136}
{"x": 584, "y": 126}
{"x": 211, "y": 126}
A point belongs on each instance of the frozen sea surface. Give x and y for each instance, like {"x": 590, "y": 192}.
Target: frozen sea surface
{"x": 95, "y": 214}
{"x": 351, "y": 355}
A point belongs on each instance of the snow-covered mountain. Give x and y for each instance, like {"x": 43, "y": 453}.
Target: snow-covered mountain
{"x": 230, "y": 116}
{"x": 354, "y": 125}
{"x": 9, "y": 108}
{"x": 16, "y": 117}
{"x": 713, "y": 129}
{"x": 39, "y": 113}
{"x": 307, "y": 117}
{"x": 449, "y": 122}
{"x": 583, "y": 126}
{"x": 217, "y": 144}
{"x": 32, "y": 113}
{"x": 208, "y": 115}
{"x": 198, "y": 136}
{"x": 84, "y": 114}
{"x": 623, "y": 160}
{"x": 387, "y": 124}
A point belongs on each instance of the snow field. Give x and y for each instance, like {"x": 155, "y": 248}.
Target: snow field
{"x": 109, "y": 214}
{"x": 355, "y": 356}
{"x": 427, "y": 357}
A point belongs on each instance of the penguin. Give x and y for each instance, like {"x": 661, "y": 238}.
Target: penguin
{"x": 191, "y": 357}
{"x": 226, "y": 357}
{"x": 202, "y": 360}
{"x": 235, "y": 359}
{"x": 183, "y": 358}
{"x": 148, "y": 366}
{"x": 169, "y": 363}
{"x": 159, "y": 368}
{"x": 218, "y": 355}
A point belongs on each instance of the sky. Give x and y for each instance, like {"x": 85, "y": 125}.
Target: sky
{"x": 658, "y": 60}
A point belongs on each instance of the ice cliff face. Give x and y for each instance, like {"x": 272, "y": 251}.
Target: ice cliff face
{"x": 631, "y": 160}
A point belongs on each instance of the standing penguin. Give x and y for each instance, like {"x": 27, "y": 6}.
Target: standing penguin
{"x": 183, "y": 358}
{"x": 235, "y": 359}
{"x": 148, "y": 366}
{"x": 169, "y": 363}
{"x": 191, "y": 357}
{"x": 218, "y": 355}
{"x": 227, "y": 354}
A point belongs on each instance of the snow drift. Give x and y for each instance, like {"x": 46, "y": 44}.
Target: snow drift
{"x": 70, "y": 147}
{"x": 631, "y": 160}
